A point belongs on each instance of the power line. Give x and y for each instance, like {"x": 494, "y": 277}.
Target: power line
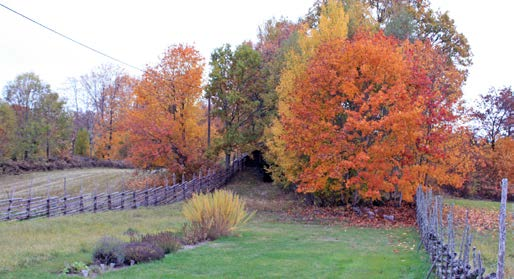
{"x": 70, "y": 39}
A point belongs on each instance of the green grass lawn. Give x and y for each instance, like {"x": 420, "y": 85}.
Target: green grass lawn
{"x": 264, "y": 248}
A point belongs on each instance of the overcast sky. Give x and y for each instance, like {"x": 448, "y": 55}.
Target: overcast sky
{"x": 138, "y": 32}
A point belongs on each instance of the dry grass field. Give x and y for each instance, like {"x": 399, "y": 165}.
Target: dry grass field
{"x": 42, "y": 183}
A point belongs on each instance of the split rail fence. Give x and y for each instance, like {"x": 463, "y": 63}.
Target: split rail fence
{"x": 449, "y": 258}
{"x": 50, "y": 206}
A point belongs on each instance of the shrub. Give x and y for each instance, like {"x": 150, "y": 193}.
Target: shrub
{"x": 141, "y": 252}
{"x": 194, "y": 233}
{"x": 168, "y": 241}
{"x": 214, "y": 215}
{"x": 109, "y": 250}
{"x": 75, "y": 268}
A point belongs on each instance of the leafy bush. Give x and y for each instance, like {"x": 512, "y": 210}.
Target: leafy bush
{"x": 75, "y": 268}
{"x": 109, "y": 250}
{"x": 214, "y": 215}
{"x": 168, "y": 241}
{"x": 141, "y": 252}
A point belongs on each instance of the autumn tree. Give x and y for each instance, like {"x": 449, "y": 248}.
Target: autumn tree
{"x": 411, "y": 19}
{"x": 237, "y": 90}
{"x": 164, "y": 122}
{"x": 108, "y": 90}
{"x": 367, "y": 115}
{"x": 332, "y": 25}
{"x": 494, "y": 120}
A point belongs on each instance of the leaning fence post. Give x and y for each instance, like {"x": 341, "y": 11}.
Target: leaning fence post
{"x": 500, "y": 271}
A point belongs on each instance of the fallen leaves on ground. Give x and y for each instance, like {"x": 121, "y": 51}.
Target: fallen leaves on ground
{"x": 404, "y": 216}
{"x": 480, "y": 219}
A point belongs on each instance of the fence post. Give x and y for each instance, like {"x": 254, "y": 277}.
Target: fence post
{"x": 64, "y": 198}
{"x": 200, "y": 180}
{"x": 81, "y": 201}
{"x": 30, "y": 199}
{"x": 195, "y": 188}
{"x": 184, "y": 188}
{"x": 134, "y": 201}
{"x": 122, "y": 201}
{"x": 94, "y": 201}
{"x": 500, "y": 271}
{"x": 166, "y": 190}
{"x": 146, "y": 194}
{"x": 109, "y": 202}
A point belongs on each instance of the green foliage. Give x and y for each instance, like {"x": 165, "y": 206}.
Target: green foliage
{"x": 237, "y": 89}
{"x": 109, "y": 250}
{"x": 54, "y": 124}
{"x": 82, "y": 143}
{"x": 167, "y": 241}
{"x": 214, "y": 215}
{"x": 75, "y": 268}
{"x": 8, "y": 127}
{"x": 141, "y": 252}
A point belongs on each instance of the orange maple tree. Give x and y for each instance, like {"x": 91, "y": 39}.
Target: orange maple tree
{"x": 373, "y": 115}
{"x": 165, "y": 124}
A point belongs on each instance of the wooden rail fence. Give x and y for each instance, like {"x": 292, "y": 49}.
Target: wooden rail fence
{"x": 50, "y": 206}
{"x": 449, "y": 261}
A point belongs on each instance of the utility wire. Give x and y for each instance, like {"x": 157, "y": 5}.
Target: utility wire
{"x": 70, "y": 39}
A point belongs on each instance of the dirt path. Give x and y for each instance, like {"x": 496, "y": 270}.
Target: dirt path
{"x": 40, "y": 183}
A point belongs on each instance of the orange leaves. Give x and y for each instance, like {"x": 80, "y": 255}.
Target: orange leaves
{"x": 165, "y": 121}
{"x": 372, "y": 114}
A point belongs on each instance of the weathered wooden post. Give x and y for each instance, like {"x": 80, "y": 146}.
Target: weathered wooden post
{"x": 500, "y": 270}
{"x": 109, "y": 201}
{"x": 64, "y": 198}
{"x": 184, "y": 187}
{"x": 134, "y": 201}
{"x": 122, "y": 201}
{"x": 81, "y": 200}
{"x": 30, "y": 199}
{"x": 194, "y": 184}
{"x": 166, "y": 186}
{"x": 146, "y": 194}
{"x": 95, "y": 198}
{"x": 200, "y": 181}
{"x": 48, "y": 201}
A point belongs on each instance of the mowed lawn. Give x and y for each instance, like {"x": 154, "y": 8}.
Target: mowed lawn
{"x": 263, "y": 248}
{"x": 40, "y": 183}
